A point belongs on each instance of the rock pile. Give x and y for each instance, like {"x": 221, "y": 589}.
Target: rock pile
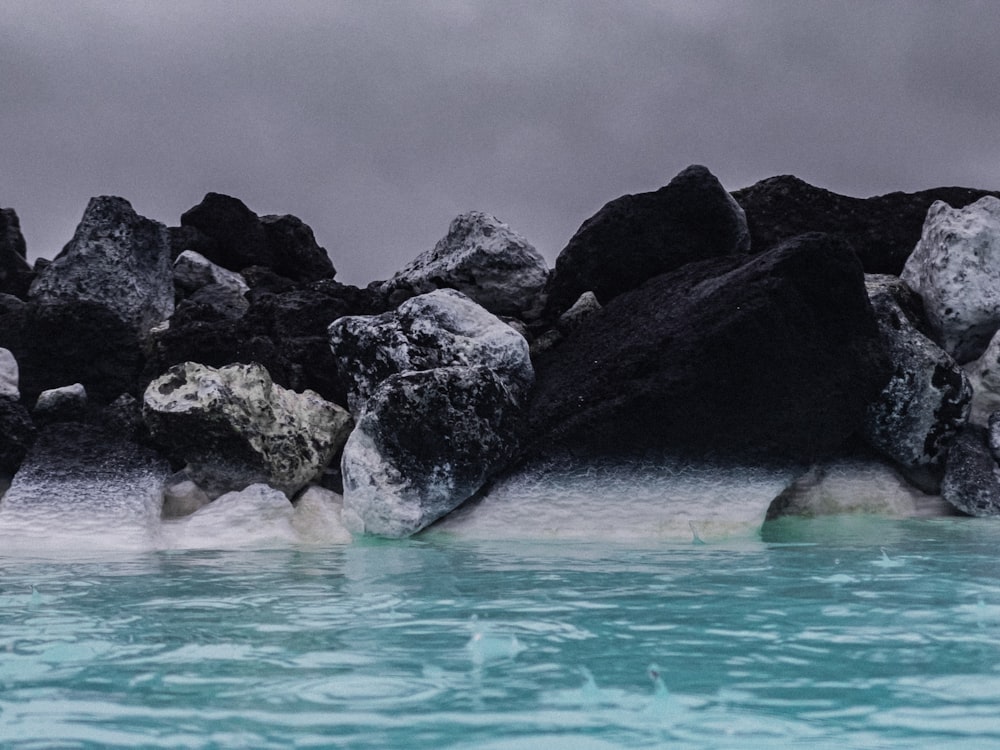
{"x": 219, "y": 362}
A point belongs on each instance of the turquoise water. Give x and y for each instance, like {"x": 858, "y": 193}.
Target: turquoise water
{"x": 849, "y": 632}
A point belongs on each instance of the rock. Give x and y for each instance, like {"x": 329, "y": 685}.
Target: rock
{"x": 87, "y": 477}
{"x": 854, "y": 486}
{"x": 294, "y": 251}
{"x": 117, "y": 260}
{"x": 984, "y": 375}
{"x": 955, "y": 268}
{"x": 193, "y": 271}
{"x": 317, "y": 518}
{"x": 236, "y": 231}
{"x": 183, "y": 239}
{"x": 438, "y": 329}
{"x": 926, "y": 401}
{"x": 971, "y": 479}
{"x": 66, "y": 404}
{"x": 91, "y": 309}
{"x": 17, "y": 433}
{"x": 241, "y": 239}
{"x": 8, "y": 375}
{"x": 777, "y": 355}
{"x": 882, "y": 230}
{"x": 15, "y": 272}
{"x": 484, "y": 259}
{"x": 235, "y": 427}
{"x": 636, "y": 237}
{"x": 581, "y": 310}
{"x": 255, "y": 517}
{"x": 425, "y": 442}
{"x": 182, "y": 497}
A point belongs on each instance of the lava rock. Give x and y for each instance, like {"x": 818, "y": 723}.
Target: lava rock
{"x": 235, "y": 427}
{"x": 17, "y": 434}
{"x": 972, "y": 478}
{"x": 882, "y": 230}
{"x": 236, "y": 231}
{"x": 425, "y": 443}
{"x": 66, "y": 404}
{"x": 955, "y": 268}
{"x": 927, "y": 399}
{"x": 778, "y": 355}
{"x": 8, "y": 375}
{"x": 438, "y": 329}
{"x": 293, "y": 249}
{"x": 636, "y": 237}
{"x": 193, "y": 271}
{"x": 484, "y": 259}
{"x": 16, "y": 274}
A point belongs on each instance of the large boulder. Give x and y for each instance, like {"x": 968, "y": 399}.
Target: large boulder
{"x": 955, "y": 268}
{"x": 234, "y": 427}
{"x": 88, "y": 479}
{"x": 240, "y": 239}
{"x": 91, "y": 309}
{"x": 425, "y": 442}
{"x": 636, "y": 237}
{"x": 972, "y": 477}
{"x": 926, "y": 401}
{"x": 484, "y": 259}
{"x": 438, "y": 329}
{"x": 882, "y": 230}
{"x": 15, "y": 272}
{"x": 776, "y": 355}
{"x": 17, "y": 433}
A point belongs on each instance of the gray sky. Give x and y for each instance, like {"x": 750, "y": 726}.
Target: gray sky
{"x": 378, "y": 122}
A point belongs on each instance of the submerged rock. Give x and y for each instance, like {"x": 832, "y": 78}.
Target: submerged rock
{"x": 442, "y": 328}
{"x": 425, "y": 442}
{"x": 882, "y": 230}
{"x": 235, "y": 427}
{"x": 778, "y": 355}
{"x": 255, "y": 516}
{"x": 484, "y": 259}
{"x": 926, "y": 401}
{"x": 955, "y": 268}
{"x": 636, "y": 237}
{"x": 972, "y": 478}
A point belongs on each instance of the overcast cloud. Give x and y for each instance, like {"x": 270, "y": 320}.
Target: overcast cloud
{"x": 378, "y": 122}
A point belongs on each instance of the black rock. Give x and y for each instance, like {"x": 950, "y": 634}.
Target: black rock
{"x": 883, "y": 230}
{"x": 17, "y": 433}
{"x": 294, "y": 251}
{"x": 636, "y": 237}
{"x": 972, "y": 477}
{"x": 775, "y": 356}
{"x": 15, "y": 272}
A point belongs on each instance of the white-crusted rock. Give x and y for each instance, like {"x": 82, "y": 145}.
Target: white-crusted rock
{"x": 425, "y": 443}
{"x": 955, "y": 268}
{"x": 256, "y": 516}
{"x": 926, "y": 401}
{"x": 182, "y": 497}
{"x": 483, "y": 258}
{"x": 442, "y": 328}
{"x": 192, "y": 271}
{"x": 63, "y": 404}
{"x": 235, "y": 427}
{"x": 8, "y": 375}
{"x": 318, "y": 518}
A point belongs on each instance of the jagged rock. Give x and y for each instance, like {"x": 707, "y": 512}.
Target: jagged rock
{"x": 438, "y": 329}
{"x": 85, "y": 475}
{"x": 853, "y": 486}
{"x": 484, "y": 259}
{"x": 972, "y": 478}
{"x": 775, "y": 355}
{"x": 8, "y": 375}
{"x": 182, "y": 497}
{"x": 183, "y": 239}
{"x": 317, "y": 518}
{"x": 636, "y": 237}
{"x": 955, "y": 268}
{"x": 425, "y": 442}
{"x": 926, "y": 401}
{"x": 984, "y": 375}
{"x": 66, "y": 404}
{"x": 192, "y": 271}
{"x": 117, "y": 260}
{"x": 90, "y": 310}
{"x": 294, "y": 251}
{"x": 15, "y": 272}
{"x": 241, "y": 239}
{"x": 882, "y": 230}
{"x": 235, "y": 427}
{"x": 17, "y": 433}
